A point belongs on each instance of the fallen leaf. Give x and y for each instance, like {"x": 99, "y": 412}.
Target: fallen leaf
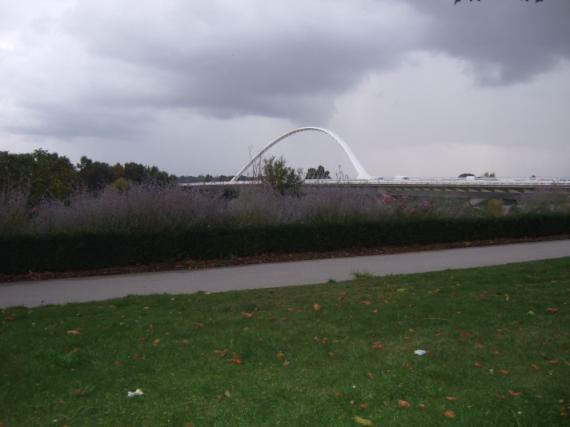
{"x": 552, "y": 310}
{"x": 535, "y": 367}
{"x": 362, "y": 421}
{"x": 138, "y": 357}
{"x": 370, "y": 376}
{"x": 452, "y": 398}
{"x": 76, "y": 331}
{"x": 281, "y": 356}
{"x": 80, "y": 392}
{"x": 316, "y": 307}
{"x": 403, "y": 404}
{"x": 366, "y": 302}
{"x": 9, "y": 318}
{"x": 338, "y": 394}
{"x": 477, "y": 365}
{"x": 375, "y": 311}
{"x": 198, "y": 325}
{"x": 514, "y": 393}
{"x": 363, "y": 406}
{"x": 189, "y": 424}
{"x": 119, "y": 363}
{"x": 156, "y": 342}
{"x": 504, "y": 372}
{"x": 553, "y": 362}
{"x": 246, "y": 314}
{"x": 235, "y": 360}
{"x": 422, "y": 407}
{"x": 449, "y": 414}
{"x": 227, "y": 394}
{"x": 377, "y": 345}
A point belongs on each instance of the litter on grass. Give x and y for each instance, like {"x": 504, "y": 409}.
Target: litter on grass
{"x": 420, "y": 352}
{"x": 137, "y": 392}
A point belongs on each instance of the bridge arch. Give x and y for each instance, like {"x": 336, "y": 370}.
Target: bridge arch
{"x": 361, "y": 172}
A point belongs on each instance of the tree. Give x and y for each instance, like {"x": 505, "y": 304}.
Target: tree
{"x": 141, "y": 174}
{"x": 95, "y": 175}
{"x": 282, "y": 178}
{"x": 53, "y": 177}
{"x": 318, "y": 173}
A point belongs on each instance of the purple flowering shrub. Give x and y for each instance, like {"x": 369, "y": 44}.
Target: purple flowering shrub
{"x": 153, "y": 208}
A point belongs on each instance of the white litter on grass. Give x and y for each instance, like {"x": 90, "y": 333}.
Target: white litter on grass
{"x": 420, "y": 352}
{"x": 137, "y": 392}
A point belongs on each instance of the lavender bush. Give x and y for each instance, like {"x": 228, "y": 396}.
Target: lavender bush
{"x": 148, "y": 208}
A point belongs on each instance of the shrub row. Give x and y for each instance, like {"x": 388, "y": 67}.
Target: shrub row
{"x": 80, "y": 251}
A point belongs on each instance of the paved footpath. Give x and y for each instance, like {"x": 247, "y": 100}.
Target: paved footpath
{"x": 62, "y": 291}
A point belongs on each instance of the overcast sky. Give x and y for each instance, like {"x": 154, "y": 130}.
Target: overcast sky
{"x": 416, "y": 87}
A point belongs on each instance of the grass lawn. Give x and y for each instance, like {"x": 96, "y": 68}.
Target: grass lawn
{"x": 498, "y": 342}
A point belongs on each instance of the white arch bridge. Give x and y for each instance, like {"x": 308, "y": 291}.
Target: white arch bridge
{"x": 477, "y": 189}
{"x": 361, "y": 172}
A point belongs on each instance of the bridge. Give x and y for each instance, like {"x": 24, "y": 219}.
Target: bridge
{"x": 474, "y": 189}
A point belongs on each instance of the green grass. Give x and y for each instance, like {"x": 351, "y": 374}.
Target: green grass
{"x": 484, "y": 330}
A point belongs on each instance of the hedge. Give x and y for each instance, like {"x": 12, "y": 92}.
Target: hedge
{"x": 81, "y": 251}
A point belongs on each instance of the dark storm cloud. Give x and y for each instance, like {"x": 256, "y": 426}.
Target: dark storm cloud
{"x": 507, "y": 41}
{"x": 274, "y": 59}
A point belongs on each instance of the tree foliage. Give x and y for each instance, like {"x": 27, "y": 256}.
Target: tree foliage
{"x": 318, "y": 173}
{"x": 49, "y": 176}
{"x": 281, "y": 177}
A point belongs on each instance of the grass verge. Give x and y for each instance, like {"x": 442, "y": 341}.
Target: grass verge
{"x": 497, "y": 338}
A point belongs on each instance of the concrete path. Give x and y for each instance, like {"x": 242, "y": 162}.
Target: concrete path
{"x": 62, "y": 291}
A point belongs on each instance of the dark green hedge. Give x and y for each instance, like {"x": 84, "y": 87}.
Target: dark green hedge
{"x": 63, "y": 252}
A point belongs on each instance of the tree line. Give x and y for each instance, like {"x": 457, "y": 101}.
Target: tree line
{"x": 42, "y": 176}
{"x": 49, "y": 176}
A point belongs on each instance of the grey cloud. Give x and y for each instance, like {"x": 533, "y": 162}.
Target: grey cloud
{"x": 275, "y": 59}
{"x": 507, "y": 41}
{"x": 288, "y": 63}
{"x": 71, "y": 121}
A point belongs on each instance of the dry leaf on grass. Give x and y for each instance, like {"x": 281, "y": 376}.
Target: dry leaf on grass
{"x": 363, "y": 421}
{"x": 403, "y": 404}
{"x": 449, "y": 414}
{"x": 452, "y": 398}
{"x": 377, "y": 345}
{"x": 235, "y": 360}
{"x": 75, "y": 331}
{"x": 552, "y": 310}
{"x": 316, "y": 307}
{"x": 514, "y": 393}
{"x": 246, "y": 314}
